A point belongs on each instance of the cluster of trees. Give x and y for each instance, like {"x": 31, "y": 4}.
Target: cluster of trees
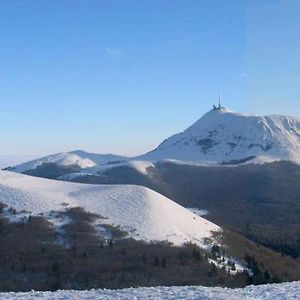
{"x": 258, "y": 275}
{"x": 288, "y": 245}
{"x": 265, "y": 265}
{"x": 32, "y": 258}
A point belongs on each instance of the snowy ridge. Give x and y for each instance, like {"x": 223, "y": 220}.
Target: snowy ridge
{"x": 78, "y": 158}
{"x": 265, "y": 292}
{"x": 225, "y": 136}
{"x": 140, "y": 166}
{"x": 143, "y": 213}
{"x": 12, "y": 160}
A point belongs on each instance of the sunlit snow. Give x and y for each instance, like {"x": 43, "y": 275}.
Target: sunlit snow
{"x": 282, "y": 291}
{"x": 143, "y": 213}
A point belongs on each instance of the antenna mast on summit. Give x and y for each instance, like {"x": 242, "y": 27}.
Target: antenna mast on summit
{"x": 220, "y": 107}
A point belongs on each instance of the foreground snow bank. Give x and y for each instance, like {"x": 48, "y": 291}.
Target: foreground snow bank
{"x": 271, "y": 291}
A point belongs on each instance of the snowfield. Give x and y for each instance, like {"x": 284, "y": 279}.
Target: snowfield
{"x": 282, "y": 291}
{"x": 143, "y": 213}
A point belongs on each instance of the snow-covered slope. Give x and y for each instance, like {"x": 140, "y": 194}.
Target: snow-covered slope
{"x": 225, "y": 136}
{"x": 12, "y": 160}
{"x": 78, "y": 158}
{"x": 143, "y": 213}
{"x": 267, "y": 292}
{"x": 139, "y": 166}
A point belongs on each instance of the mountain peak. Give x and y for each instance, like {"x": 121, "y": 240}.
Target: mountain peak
{"x": 224, "y": 136}
{"x": 220, "y": 110}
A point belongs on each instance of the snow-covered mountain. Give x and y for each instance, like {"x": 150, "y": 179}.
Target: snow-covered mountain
{"x": 224, "y": 136}
{"x": 77, "y": 158}
{"x": 221, "y": 136}
{"x": 141, "y": 212}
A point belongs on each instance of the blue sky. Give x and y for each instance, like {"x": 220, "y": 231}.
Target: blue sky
{"x": 120, "y": 76}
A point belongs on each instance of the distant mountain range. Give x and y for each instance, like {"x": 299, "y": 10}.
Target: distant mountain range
{"x": 220, "y": 137}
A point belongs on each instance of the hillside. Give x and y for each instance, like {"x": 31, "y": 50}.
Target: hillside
{"x": 260, "y": 201}
{"x": 60, "y": 235}
{"x": 142, "y": 213}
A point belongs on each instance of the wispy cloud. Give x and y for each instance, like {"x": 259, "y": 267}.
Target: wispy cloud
{"x": 114, "y": 53}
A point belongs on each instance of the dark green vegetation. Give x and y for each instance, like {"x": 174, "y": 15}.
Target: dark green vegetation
{"x": 51, "y": 170}
{"x": 80, "y": 256}
{"x": 260, "y": 202}
{"x": 266, "y": 265}
{"x": 32, "y": 258}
